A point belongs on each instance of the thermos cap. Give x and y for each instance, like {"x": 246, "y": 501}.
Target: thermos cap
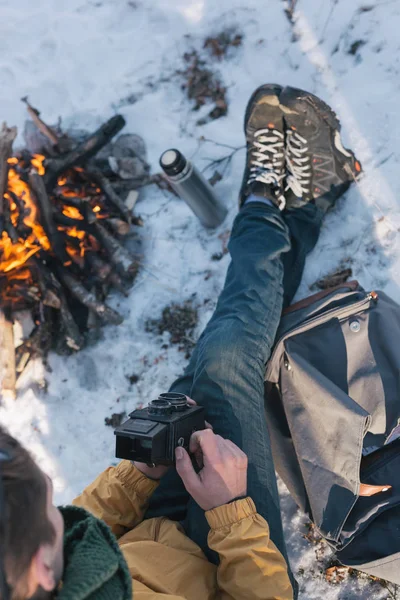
{"x": 172, "y": 161}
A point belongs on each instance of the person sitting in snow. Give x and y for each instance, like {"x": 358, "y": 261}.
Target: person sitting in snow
{"x": 175, "y": 534}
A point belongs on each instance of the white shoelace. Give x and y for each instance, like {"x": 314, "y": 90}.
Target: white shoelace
{"x": 268, "y": 160}
{"x": 297, "y": 163}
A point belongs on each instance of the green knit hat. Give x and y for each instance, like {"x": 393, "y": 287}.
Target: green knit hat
{"x": 95, "y": 568}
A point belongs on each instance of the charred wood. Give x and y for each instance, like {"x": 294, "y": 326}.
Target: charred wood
{"x": 65, "y": 221}
{"x": 40, "y": 341}
{"x": 51, "y": 299}
{"x": 119, "y": 256}
{"x": 83, "y": 152}
{"x": 53, "y": 296}
{"x": 98, "y": 265}
{"x": 106, "y": 314}
{"x": 41, "y": 125}
{"x": 111, "y": 195}
{"x": 105, "y": 272}
{"x": 76, "y": 202}
{"x": 8, "y": 224}
{"x": 137, "y": 220}
{"x": 22, "y": 229}
{"x": 73, "y": 338}
{"x": 117, "y": 282}
{"x": 46, "y": 212}
{"x": 119, "y": 226}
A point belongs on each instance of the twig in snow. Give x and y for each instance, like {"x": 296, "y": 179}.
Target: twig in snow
{"x": 392, "y": 593}
{"x": 384, "y": 160}
{"x": 289, "y": 10}
{"x": 333, "y": 6}
{"x": 224, "y": 160}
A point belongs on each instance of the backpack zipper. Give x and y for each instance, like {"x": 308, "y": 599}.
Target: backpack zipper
{"x": 322, "y": 318}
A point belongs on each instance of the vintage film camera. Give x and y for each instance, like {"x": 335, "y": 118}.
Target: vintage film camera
{"x": 151, "y": 434}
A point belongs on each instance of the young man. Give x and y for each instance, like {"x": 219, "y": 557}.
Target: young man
{"x": 218, "y": 533}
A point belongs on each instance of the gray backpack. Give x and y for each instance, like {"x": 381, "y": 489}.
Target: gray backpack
{"x": 333, "y": 411}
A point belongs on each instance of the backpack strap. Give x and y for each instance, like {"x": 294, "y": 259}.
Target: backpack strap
{"x": 352, "y": 286}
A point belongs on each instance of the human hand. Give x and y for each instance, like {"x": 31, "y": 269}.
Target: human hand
{"x": 151, "y": 472}
{"x": 223, "y": 476}
{"x": 158, "y": 471}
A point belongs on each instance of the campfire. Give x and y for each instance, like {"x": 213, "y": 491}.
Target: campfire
{"x": 62, "y": 223}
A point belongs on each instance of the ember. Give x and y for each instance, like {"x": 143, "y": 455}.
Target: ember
{"x": 61, "y": 224}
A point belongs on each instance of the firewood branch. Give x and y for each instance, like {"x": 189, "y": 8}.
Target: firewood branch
{"x": 46, "y": 212}
{"x": 83, "y": 152}
{"x": 106, "y": 314}
{"x": 7, "y": 358}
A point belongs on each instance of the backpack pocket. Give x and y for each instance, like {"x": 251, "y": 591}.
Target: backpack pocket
{"x": 375, "y": 547}
{"x": 327, "y": 428}
{"x": 381, "y": 468}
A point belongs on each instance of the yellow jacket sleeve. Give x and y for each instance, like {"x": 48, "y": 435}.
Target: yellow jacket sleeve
{"x": 251, "y": 567}
{"x": 119, "y": 496}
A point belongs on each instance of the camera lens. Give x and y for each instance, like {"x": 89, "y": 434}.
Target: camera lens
{"x": 159, "y": 407}
{"x": 178, "y": 401}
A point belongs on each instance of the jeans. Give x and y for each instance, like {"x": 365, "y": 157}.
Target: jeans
{"x": 226, "y": 370}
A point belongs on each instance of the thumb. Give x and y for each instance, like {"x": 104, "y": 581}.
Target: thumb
{"x": 185, "y": 469}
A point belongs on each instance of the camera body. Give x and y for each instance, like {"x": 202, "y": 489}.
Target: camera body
{"x": 151, "y": 434}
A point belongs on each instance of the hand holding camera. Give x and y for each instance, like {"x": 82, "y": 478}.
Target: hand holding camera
{"x": 161, "y": 434}
{"x": 156, "y": 472}
{"x": 223, "y": 476}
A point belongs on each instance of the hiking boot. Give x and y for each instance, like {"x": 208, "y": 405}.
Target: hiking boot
{"x": 265, "y": 161}
{"x": 319, "y": 168}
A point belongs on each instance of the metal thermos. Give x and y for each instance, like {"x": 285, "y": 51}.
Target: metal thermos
{"x": 192, "y": 187}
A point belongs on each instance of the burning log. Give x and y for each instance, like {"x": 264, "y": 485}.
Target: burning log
{"x": 8, "y": 224}
{"x": 21, "y": 227}
{"x": 7, "y": 137}
{"x": 60, "y": 248}
{"x": 46, "y": 213}
{"x": 7, "y": 358}
{"x": 81, "y": 154}
{"x": 65, "y": 221}
{"x": 110, "y": 194}
{"x": 79, "y": 203}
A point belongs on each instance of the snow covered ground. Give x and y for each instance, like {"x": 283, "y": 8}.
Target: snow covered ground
{"x": 86, "y": 59}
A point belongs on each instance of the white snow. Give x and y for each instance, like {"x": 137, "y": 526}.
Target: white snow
{"x": 81, "y": 59}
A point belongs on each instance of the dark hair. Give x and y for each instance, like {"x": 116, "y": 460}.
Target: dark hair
{"x": 26, "y": 525}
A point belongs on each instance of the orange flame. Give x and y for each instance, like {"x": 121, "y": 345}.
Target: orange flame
{"x": 72, "y": 212}
{"x": 37, "y": 162}
{"x": 14, "y": 255}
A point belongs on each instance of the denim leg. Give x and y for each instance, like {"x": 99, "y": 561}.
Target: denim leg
{"x": 226, "y": 371}
{"x": 304, "y": 226}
